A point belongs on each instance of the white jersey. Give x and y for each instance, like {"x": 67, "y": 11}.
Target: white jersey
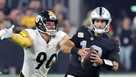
{"x": 38, "y": 58}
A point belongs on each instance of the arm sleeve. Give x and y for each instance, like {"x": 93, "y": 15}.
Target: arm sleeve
{"x": 76, "y": 42}
{"x": 22, "y": 39}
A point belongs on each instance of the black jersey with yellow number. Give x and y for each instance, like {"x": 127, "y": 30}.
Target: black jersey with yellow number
{"x": 85, "y": 38}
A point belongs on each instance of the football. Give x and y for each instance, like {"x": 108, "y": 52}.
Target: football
{"x": 86, "y": 61}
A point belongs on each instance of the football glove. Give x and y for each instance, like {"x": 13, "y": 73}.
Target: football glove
{"x": 6, "y": 33}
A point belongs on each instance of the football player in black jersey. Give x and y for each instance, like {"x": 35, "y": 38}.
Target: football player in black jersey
{"x": 105, "y": 49}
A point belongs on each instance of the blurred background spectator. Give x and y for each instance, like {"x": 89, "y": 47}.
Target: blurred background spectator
{"x": 14, "y": 16}
{"x": 2, "y": 4}
{"x": 125, "y": 38}
{"x": 28, "y": 20}
{"x": 3, "y": 22}
{"x": 67, "y": 27}
{"x": 35, "y": 6}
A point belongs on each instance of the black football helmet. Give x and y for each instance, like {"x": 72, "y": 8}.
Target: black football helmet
{"x": 46, "y": 21}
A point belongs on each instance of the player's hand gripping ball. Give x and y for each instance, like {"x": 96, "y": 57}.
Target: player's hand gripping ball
{"x": 87, "y": 60}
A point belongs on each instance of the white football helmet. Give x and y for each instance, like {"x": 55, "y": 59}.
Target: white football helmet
{"x": 100, "y": 13}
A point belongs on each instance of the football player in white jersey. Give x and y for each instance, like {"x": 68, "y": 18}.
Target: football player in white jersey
{"x": 40, "y": 45}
